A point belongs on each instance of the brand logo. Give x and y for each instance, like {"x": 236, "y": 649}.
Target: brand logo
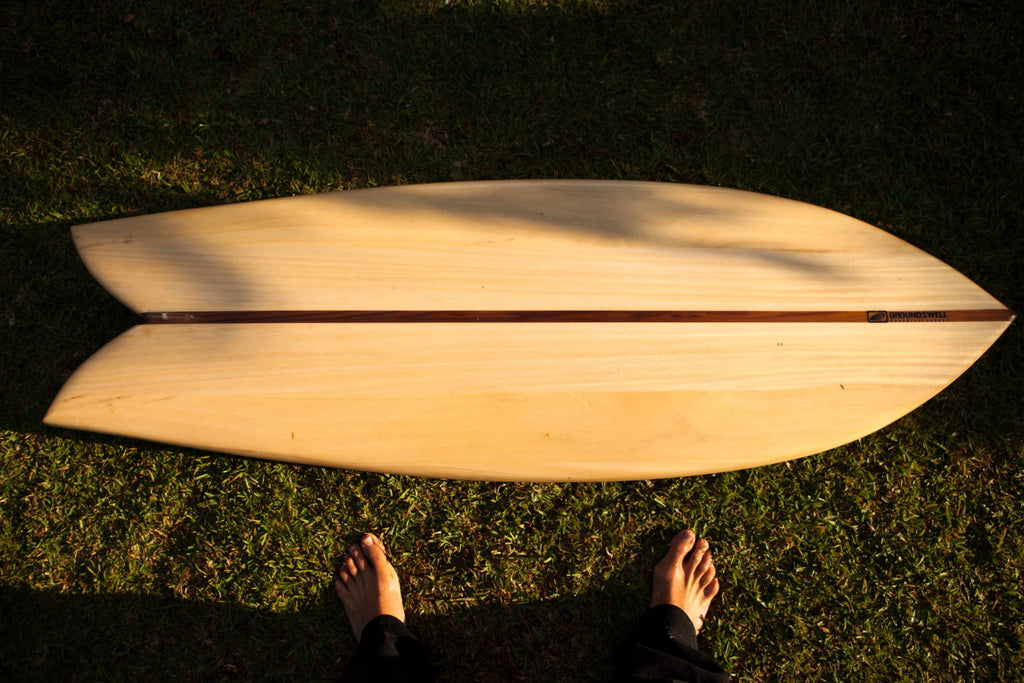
{"x": 907, "y": 316}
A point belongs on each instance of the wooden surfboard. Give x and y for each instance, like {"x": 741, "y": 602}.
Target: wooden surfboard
{"x": 520, "y": 330}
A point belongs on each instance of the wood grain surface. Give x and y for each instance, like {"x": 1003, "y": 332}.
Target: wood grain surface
{"x": 517, "y": 245}
{"x": 520, "y": 330}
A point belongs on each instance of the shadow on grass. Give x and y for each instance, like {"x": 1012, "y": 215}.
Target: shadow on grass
{"x": 48, "y": 635}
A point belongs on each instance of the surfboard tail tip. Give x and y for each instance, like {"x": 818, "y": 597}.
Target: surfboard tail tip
{"x": 51, "y": 417}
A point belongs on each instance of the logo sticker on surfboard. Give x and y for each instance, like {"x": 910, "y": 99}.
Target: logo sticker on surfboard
{"x": 907, "y": 316}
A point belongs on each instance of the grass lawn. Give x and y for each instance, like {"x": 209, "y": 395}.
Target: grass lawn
{"x": 898, "y": 557}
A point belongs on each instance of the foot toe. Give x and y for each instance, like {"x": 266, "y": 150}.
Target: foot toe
{"x": 708, "y": 576}
{"x": 678, "y": 549}
{"x": 373, "y": 550}
{"x": 696, "y": 556}
{"x": 680, "y": 545}
{"x": 359, "y": 558}
{"x": 704, "y": 565}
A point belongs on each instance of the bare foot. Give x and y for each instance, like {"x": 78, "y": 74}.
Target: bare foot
{"x": 685, "y": 577}
{"x": 368, "y": 585}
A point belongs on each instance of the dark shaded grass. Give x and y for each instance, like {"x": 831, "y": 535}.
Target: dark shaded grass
{"x": 898, "y": 557}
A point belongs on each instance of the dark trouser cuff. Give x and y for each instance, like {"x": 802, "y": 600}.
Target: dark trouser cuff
{"x": 390, "y": 653}
{"x": 663, "y": 647}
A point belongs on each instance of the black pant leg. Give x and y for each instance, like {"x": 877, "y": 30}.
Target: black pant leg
{"x": 390, "y": 653}
{"x": 663, "y": 647}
